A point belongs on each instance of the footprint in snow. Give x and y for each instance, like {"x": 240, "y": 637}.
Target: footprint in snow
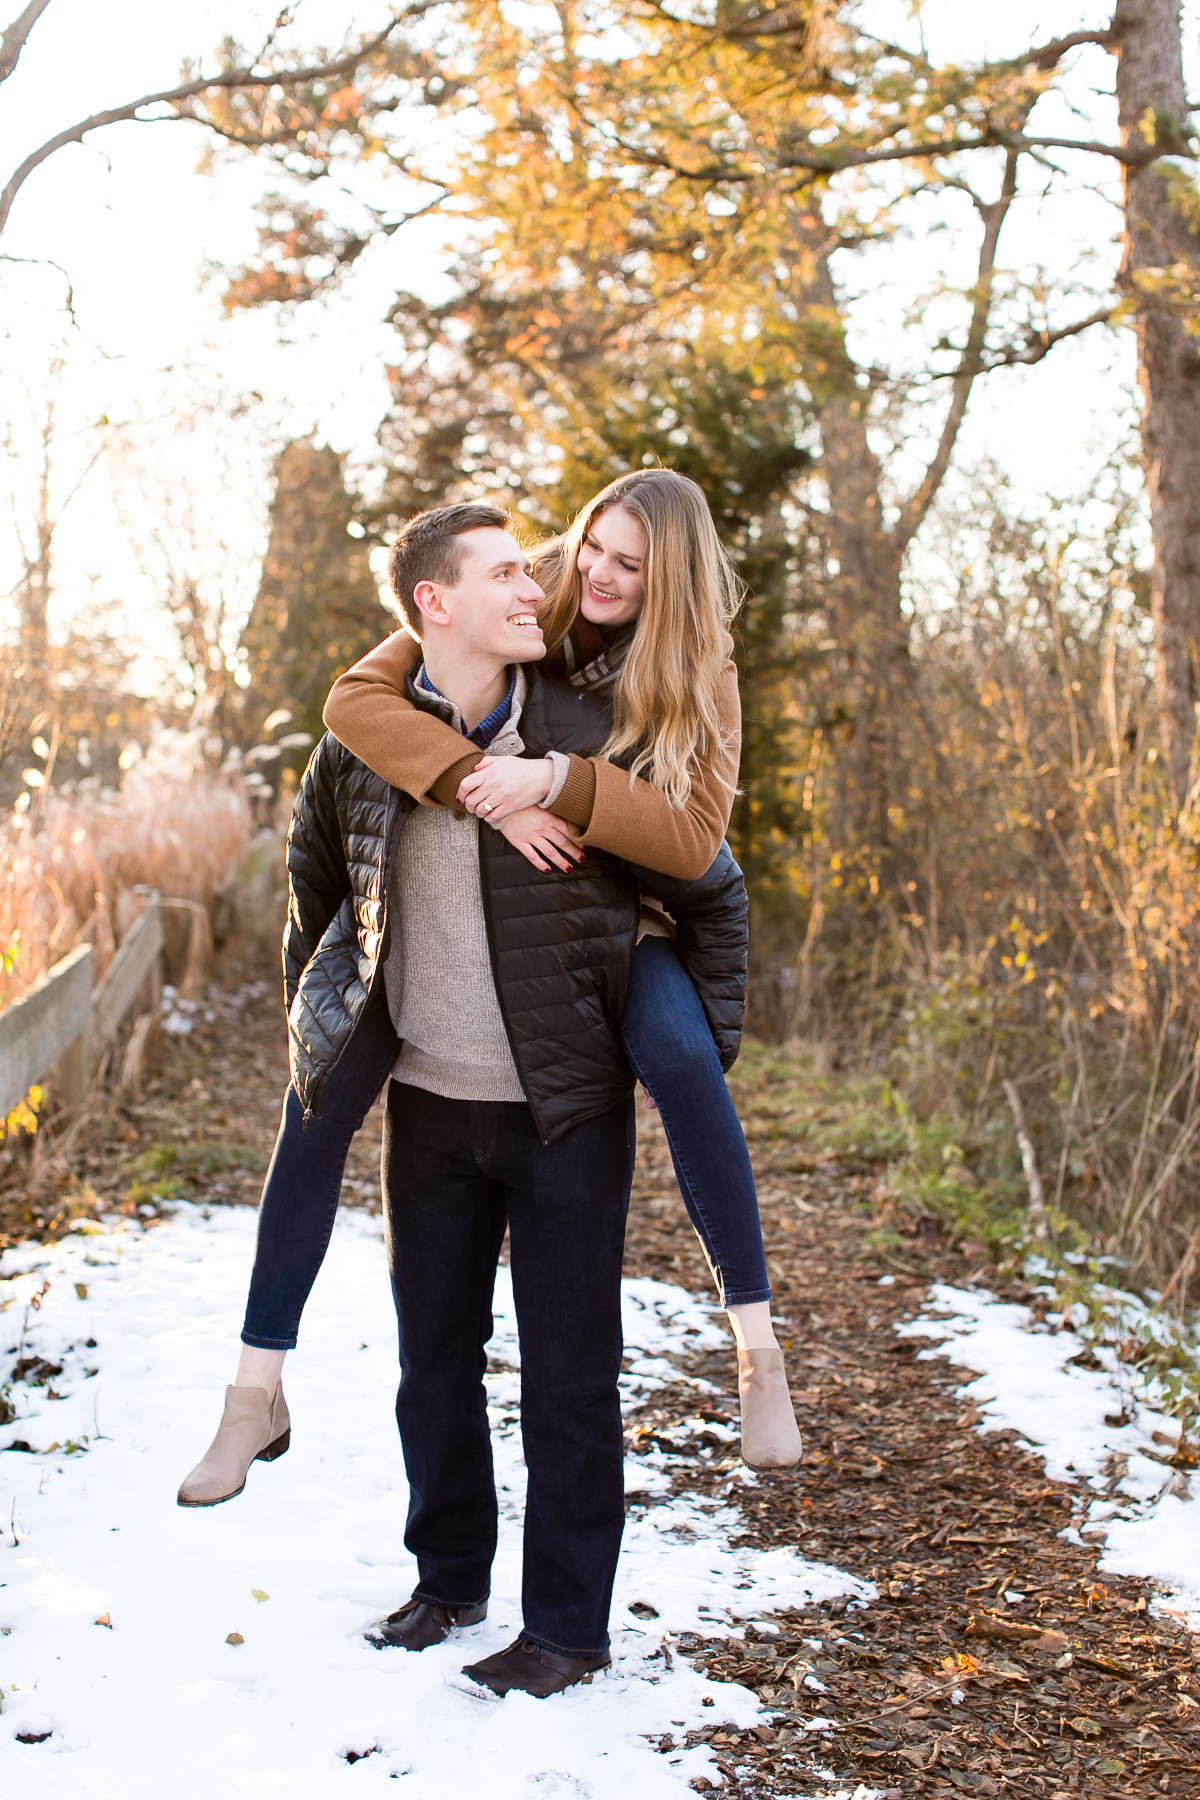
{"x": 555, "y": 1786}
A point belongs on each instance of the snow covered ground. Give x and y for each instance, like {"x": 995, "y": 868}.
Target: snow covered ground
{"x": 144, "y": 1322}
{"x": 1145, "y": 1513}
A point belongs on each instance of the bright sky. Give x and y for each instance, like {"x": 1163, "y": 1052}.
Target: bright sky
{"x": 133, "y": 222}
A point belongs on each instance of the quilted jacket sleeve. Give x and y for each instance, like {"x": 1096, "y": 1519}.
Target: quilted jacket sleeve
{"x": 318, "y": 879}
{"x": 712, "y": 937}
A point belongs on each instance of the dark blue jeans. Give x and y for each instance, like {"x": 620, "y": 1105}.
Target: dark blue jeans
{"x": 304, "y": 1180}
{"x": 455, "y": 1174}
{"x": 671, "y": 1051}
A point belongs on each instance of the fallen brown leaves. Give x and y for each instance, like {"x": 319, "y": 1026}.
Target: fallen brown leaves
{"x": 941, "y": 1686}
{"x": 1033, "y": 1635}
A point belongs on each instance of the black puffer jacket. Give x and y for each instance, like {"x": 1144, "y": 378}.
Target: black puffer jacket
{"x": 560, "y": 943}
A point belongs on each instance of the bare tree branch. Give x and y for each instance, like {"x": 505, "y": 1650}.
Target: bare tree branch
{"x": 14, "y": 39}
{"x": 253, "y": 283}
{"x": 232, "y": 78}
{"x": 1029, "y": 1163}
{"x": 995, "y": 137}
{"x": 789, "y": 21}
{"x": 975, "y": 359}
{"x": 993, "y": 216}
{"x": 1040, "y": 343}
{"x": 1048, "y": 55}
{"x": 1133, "y": 156}
{"x": 46, "y": 262}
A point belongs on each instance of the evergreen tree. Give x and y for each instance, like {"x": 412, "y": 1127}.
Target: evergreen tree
{"x": 480, "y": 420}
{"x": 318, "y": 608}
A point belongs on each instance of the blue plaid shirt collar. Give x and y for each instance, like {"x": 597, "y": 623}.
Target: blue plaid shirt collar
{"x": 483, "y": 733}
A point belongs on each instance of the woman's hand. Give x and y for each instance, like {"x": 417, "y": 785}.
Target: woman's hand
{"x": 502, "y": 785}
{"x": 542, "y": 839}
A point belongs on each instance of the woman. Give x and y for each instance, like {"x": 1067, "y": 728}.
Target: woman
{"x": 639, "y": 597}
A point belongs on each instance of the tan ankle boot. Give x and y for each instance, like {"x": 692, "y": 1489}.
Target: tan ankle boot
{"x": 770, "y": 1436}
{"x": 253, "y": 1427}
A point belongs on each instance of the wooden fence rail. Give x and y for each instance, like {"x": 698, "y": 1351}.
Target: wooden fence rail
{"x": 61, "y": 1020}
{"x": 48, "y": 1024}
{"x": 126, "y": 974}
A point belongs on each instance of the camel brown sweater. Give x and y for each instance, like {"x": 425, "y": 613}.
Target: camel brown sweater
{"x": 368, "y": 712}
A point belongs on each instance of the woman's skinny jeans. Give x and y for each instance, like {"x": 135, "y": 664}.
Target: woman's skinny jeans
{"x": 670, "y": 1050}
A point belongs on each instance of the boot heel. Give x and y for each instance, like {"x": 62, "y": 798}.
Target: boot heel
{"x": 275, "y": 1449}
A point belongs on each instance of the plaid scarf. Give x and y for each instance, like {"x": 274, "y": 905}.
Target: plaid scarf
{"x": 588, "y": 659}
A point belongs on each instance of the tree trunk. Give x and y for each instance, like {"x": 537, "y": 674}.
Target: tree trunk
{"x": 865, "y": 608}
{"x": 866, "y": 619}
{"x": 864, "y": 588}
{"x": 33, "y": 594}
{"x": 1150, "y": 98}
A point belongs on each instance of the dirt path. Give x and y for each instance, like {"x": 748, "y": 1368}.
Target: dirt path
{"x": 895, "y": 1486}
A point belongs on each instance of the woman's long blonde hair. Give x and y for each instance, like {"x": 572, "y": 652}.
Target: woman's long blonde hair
{"x": 665, "y": 718}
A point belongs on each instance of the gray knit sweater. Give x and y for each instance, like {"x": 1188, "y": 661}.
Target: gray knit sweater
{"x": 440, "y": 989}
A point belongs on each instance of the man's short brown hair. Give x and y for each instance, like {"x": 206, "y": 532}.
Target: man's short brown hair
{"x": 428, "y": 549}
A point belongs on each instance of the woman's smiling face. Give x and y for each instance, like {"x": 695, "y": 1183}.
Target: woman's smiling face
{"x": 611, "y": 559}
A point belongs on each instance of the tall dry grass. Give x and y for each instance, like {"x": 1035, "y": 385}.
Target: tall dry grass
{"x": 71, "y": 859}
{"x": 1034, "y": 917}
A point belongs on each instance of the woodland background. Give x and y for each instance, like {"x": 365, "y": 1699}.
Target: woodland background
{"x": 970, "y": 805}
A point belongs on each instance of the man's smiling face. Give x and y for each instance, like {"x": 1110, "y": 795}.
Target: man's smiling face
{"x": 491, "y": 610}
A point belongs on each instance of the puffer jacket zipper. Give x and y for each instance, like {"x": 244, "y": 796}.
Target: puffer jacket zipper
{"x": 485, "y": 895}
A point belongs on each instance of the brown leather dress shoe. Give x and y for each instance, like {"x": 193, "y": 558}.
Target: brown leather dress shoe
{"x": 419, "y": 1623}
{"x": 533, "y": 1670}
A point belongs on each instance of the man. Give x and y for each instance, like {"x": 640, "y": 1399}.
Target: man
{"x": 510, "y": 1103}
